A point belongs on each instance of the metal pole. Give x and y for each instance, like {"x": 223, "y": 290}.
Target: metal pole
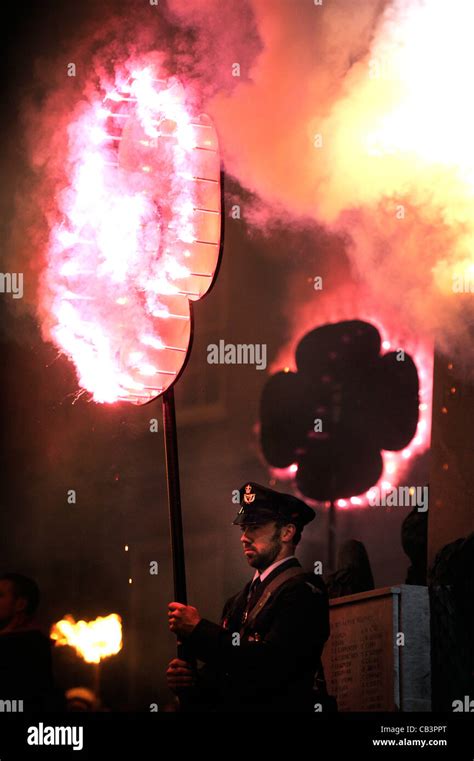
{"x": 174, "y": 496}
{"x": 332, "y": 537}
{"x": 176, "y": 522}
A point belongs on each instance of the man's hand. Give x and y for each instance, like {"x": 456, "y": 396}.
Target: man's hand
{"x": 179, "y": 675}
{"x": 182, "y": 618}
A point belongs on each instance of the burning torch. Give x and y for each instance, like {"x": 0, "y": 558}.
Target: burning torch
{"x": 138, "y": 240}
{"x": 92, "y": 640}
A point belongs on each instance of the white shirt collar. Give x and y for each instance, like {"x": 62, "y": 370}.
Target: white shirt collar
{"x": 270, "y": 568}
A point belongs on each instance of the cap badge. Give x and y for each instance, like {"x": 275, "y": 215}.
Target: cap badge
{"x": 249, "y": 495}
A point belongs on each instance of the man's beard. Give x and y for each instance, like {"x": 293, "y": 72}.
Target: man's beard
{"x": 263, "y": 560}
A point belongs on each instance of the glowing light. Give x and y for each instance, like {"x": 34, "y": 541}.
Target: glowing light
{"x": 131, "y": 220}
{"x": 149, "y": 340}
{"x": 92, "y": 640}
{"x": 147, "y": 370}
{"x": 113, "y": 95}
{"x": 284, "y": 474}
{"x": 388, "y": 128}
{"x": 97, "y": 135}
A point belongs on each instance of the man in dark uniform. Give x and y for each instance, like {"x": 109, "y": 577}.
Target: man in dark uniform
{"x": 266, "y": 651}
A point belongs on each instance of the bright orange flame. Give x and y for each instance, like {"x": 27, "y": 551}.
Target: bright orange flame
{"x": 92, "y": 640}
{"x": 137, "y": 238}
{"x": 403, "y": 130}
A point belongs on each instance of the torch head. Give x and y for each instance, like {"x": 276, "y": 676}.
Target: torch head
{"x": 137, "y": 240}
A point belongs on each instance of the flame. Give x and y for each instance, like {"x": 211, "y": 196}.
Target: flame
{"x": 92, "y": 640}
{"x": 405, "y": 125}
{"x": 398, "y": 132}
{"x": 136, "y": 238}
{"x": 371, "y": 138}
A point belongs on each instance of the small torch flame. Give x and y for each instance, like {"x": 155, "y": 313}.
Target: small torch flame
{"x": 92, "y": 640}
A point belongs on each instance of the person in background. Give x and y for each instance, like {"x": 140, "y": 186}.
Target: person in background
{"x": 26, "y": 671}
{"x": 82, "y": 700}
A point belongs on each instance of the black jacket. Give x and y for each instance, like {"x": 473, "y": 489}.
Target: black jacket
{"x": 26, "y": 670}
{"x": 273, "y": 667}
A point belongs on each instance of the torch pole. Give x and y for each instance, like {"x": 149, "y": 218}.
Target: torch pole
{"x": 174, "y": 496}
{"x": 176, "y": 522}
{"x": 332, "y": 536}
{"x": 96, "y": 680}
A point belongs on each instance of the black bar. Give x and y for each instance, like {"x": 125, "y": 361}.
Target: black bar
{"x": 174, "y": 496}
{"x": 125, "y": 734}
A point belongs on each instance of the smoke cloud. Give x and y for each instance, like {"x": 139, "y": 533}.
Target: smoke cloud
{"x": 348, "y": 118}
{"x": 341, "y": 115}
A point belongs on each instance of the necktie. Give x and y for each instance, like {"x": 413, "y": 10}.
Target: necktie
{"x": 251, "y": 598}
{"x": 254, "y": 587}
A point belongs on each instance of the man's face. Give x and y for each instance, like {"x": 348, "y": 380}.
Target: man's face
{"x": 261, "y": 544}
{"x": 8, "y": 602}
